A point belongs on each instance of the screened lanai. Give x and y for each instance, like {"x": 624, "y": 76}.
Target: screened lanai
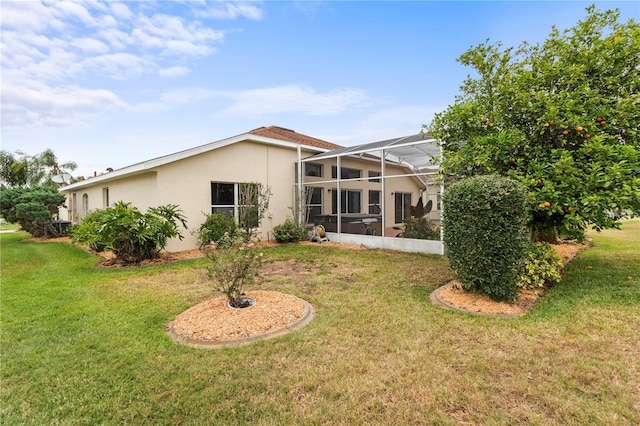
{"x": 382, "y": 194}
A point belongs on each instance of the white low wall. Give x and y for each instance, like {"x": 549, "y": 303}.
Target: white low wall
{"x": 389, "y": 243}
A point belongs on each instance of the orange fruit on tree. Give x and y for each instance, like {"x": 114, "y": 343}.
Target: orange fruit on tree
{"x": 565, "y": 132}
{"x": 547, "y": 204}
{"x": 579, "y": 129}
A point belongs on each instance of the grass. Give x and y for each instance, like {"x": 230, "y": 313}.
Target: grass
{"x": 5, "y": 226}
{"x": 85, "y": 345}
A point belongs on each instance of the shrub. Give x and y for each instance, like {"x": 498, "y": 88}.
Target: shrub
{"x": 214, "y": 228}
{"x": 130, "y": 234}
{"x": 32, "y": 208}
{"x": 87, "y": 230}
{"x": 542, "y": 267}
{"x": 485, "y": 234}
{"x": 289, "y": 231}
{"x": 420, "y": 228}
{"x": 235, "y": 263}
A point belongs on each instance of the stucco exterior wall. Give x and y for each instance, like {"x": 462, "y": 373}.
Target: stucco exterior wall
{"x": 187, "y": 182}
{"x": 140, "y": 189}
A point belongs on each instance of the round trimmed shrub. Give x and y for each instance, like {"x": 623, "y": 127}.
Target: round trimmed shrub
{"x": 289, "y": 232}
{"x": 486, "y": 235}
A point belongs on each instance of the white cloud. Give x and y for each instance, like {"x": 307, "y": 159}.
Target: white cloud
{"x": 387, "y": 124}
{"x": 60, "y": 48}
{"x": 90, "y": 45}
{"x": 28, "y": 16}
{"x": 45, "y": 106}
{"x": 173, "y": 72}
{"x": 294, "y": 99}
{"x": 232, "y": 10}
{"x": 121, "y": 11}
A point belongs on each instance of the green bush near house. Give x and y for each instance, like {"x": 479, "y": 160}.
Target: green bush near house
{"x": 289, "y": 231}
{"x": 486, "y": 234}
{"x": 131, "y": 235}
{"x": 421, "y": 228}
{"x": 214, "y": 228}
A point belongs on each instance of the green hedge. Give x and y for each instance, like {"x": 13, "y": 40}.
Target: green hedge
{"x": 486, "y": 235}
{"x": 289, "y": 231}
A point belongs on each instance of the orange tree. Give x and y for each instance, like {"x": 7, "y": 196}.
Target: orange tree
{"x": 561, "y": 117}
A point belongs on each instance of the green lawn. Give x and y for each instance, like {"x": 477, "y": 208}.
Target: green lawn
{"x": 85, "y": 345}
{"x": 4, "y": 226}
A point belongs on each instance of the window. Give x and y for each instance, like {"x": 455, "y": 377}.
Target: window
{"x": 223, "y": 198}
{"x": 313, "y": 169}
{"x": 350, "y": 201}
{"x": 74, "y": 206}
{"x": 105, "y": 197}
{"x": 402, "y": 206}
{"x": 439, "y": 202}
{"x": 85, "y": 204}
{"x": 374, "y": 202}
{"x": 374, "y": 175}
{"x": 345, "y": 173}
{"x": 313, "y": 203}
{"x": 227, "y": 198}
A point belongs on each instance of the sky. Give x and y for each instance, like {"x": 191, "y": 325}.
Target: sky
{"x": 110, "y": 84}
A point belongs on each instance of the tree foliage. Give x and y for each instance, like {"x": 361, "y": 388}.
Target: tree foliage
{"x": 131, "y": 235}
{"x": 563, "y": 118}
{"x": 33, "y": 208}
{"x": 22, "y": 169}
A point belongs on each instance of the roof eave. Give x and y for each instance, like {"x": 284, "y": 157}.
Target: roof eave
{"x": 153, "y": 163}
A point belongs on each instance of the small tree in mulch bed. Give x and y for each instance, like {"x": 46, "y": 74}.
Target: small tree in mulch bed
{"x": 486, "y": 234}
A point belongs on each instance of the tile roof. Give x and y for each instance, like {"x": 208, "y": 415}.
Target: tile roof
{"x": 288, "y": 135}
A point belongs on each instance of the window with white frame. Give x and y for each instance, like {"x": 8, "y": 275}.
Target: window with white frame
{"x": 402, "y": 206}
{"x": 105, "y": 197}
{"x": 374, "y": 175}
{"x": 226, "y": 199}
{"x": 350, "y": 201}
{"x": 85, "y": 204}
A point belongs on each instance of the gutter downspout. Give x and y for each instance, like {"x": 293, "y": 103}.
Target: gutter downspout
{"x": 300, "y": 188}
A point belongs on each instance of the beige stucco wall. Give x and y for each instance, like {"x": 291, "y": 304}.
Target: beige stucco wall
{"x": 187, "y": 183}
{"x": 141, "y": 188}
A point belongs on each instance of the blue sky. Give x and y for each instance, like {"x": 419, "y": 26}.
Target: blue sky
{"x": 109, "y": 84}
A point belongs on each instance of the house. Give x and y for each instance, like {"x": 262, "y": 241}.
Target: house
{"x": 305, "y": 175}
